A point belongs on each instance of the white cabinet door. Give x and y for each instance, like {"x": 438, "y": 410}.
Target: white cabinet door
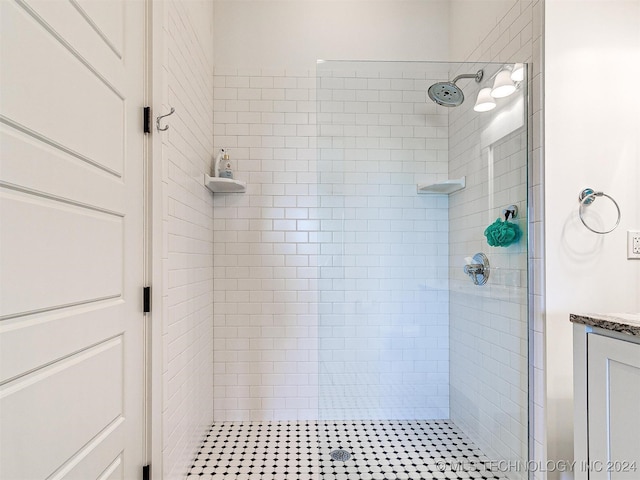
{"x": 71, "y": 239}
{"x": 614, "y": 408}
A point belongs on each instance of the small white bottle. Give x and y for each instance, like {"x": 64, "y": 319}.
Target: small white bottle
{"x": 218, "y": 162}
{"x": 225, "y": 170}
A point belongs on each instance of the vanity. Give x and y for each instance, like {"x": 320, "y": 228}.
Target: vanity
{"x": 606, "y": 364}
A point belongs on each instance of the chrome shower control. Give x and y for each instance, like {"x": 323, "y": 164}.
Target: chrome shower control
{"x": 479, "y": 269}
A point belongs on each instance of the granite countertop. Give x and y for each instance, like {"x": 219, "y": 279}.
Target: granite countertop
{"x": 628, "y": 323}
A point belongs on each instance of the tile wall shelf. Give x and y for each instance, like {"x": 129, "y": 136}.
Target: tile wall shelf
{"x": 224, "y": 185}
{"x": 443, "y": 188}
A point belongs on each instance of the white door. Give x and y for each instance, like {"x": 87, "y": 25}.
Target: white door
{"x": 614, "y": 409}
{"x": 71, "y": 239}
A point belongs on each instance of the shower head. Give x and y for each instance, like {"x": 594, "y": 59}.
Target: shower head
{"x": 448, "y": 94}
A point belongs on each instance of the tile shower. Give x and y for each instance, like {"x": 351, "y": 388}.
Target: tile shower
{"x": 339, "y": 293}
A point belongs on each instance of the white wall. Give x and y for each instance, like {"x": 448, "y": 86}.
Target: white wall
{"x": 184, "y": 312}
{"x": 471, "y": 20}
{"x": 295, "y": 33}
{"x": 592, "y": 136}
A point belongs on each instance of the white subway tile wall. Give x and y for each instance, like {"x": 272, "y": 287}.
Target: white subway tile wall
{"x": 187, "y": 229}
{"x": 383, "y": 310}
{"x": 349, "y": 225}
{"x": 266, "y": 247}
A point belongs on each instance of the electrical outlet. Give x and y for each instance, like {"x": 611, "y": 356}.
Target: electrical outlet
{"x": 633, "y": 245}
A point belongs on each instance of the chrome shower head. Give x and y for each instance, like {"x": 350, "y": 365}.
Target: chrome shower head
{"x": 448, "y": 94}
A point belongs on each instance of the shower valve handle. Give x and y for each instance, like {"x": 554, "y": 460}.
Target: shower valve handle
{"x": 479, "y": 270}
{"x": 474, "y": 269}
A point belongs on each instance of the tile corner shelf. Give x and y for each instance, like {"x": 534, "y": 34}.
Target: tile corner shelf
{"x": 443, "y": 188}
{"x": 224, "y": 185}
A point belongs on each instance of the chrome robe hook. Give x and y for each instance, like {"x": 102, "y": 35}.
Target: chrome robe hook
{"x": 161, "y": 117}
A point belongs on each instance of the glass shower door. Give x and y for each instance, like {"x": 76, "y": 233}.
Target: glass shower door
{"x": 415, "y": 360}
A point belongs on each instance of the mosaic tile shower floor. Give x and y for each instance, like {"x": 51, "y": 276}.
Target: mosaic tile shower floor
{"x": 380, "y": 450}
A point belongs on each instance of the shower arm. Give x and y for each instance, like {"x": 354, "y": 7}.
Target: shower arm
{"x": 478, "y": 76}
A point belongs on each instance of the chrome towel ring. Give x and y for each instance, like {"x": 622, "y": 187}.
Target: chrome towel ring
{"x": 586, "y": 198}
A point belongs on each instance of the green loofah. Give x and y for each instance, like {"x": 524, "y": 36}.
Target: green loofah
{"x": 502, "y": 234}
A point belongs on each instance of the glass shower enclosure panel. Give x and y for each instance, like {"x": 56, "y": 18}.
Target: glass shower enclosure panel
{"x": 406, "y": 190}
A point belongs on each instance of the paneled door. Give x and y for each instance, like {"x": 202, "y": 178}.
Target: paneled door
{"x": 71, "y": 239}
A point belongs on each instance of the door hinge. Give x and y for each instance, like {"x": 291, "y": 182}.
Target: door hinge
{"x": 146, "y": 472}
{"x": 147, "y": 120}
{"x": 146, "y": 299}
